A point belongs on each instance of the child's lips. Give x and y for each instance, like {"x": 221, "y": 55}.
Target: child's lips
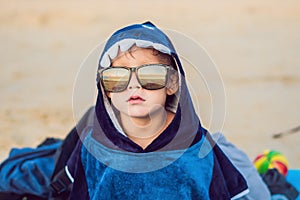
{"x": 135, "y": 99}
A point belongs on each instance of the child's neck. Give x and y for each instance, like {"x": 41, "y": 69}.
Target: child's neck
{"x": 143, "y": 131}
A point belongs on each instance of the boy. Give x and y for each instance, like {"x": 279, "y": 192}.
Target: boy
{"x": 146, "y": 141}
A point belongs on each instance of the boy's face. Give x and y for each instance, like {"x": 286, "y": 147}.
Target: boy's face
{"x": 135, "y": 101}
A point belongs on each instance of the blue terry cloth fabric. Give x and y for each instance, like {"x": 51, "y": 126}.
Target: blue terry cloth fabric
{"x": 186, "y": 178}
{"x": 182, "y": 162}
{"x": 28, "y": 170}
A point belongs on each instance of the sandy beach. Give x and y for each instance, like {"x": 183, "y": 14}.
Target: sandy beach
{"x": 255, "y": 46}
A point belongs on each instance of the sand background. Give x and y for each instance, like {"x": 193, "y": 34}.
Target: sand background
{"x": 255, "y": 45}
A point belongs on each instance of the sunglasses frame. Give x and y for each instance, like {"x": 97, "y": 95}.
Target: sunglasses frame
{"x": 135, "y": 70}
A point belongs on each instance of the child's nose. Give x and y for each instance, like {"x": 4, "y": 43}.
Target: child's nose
{"x": 133, "y": 83}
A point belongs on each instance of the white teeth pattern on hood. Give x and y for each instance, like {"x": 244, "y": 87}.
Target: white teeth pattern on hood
{"x": 126, "y": 44}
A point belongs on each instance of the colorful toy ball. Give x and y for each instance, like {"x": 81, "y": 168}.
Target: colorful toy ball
{"x": 270, "y": 159}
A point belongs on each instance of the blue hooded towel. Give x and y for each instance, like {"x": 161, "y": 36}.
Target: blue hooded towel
{"x": 183, "y": 162}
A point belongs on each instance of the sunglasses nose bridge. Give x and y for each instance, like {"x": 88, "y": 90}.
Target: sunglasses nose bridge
{"x": 133, "y": 81}
{"x": 132, "y": 69}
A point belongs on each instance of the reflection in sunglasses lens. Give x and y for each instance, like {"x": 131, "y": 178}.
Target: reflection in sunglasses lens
{"x": 151, "y": 77}
{"x": 115, "y": 79}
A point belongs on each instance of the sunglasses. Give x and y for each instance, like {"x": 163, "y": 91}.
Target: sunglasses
{"x": 150, "y": 77}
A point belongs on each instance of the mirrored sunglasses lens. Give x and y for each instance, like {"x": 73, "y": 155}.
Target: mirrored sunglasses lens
{"x": 115, "y": 79}
{"x": 152, "y": 77}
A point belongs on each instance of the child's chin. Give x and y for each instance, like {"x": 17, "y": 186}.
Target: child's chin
{"x": 137, "y": 114}
{"x": 146, "y": 113}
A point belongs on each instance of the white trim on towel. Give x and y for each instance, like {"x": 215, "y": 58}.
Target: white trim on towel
{"x": 69, "y": 174}
{"x": 241, "y": 194}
